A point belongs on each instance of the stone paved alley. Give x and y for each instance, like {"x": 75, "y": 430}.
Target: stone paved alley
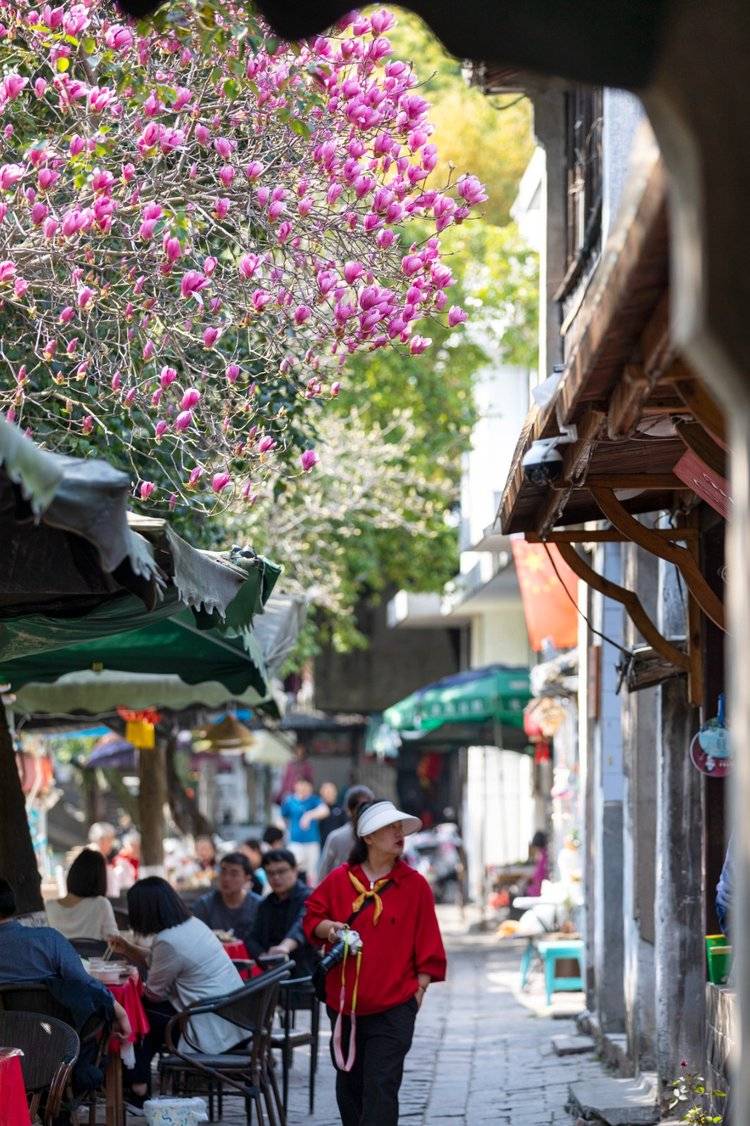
{"x": 482, "y": 1052}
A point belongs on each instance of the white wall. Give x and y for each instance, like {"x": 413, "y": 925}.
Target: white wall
{"x": 498, "y": 811}
{"x": 501, "y": 395}
{"x": 498, "y": 636}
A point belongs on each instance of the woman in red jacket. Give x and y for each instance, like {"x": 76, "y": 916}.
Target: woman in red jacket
{"x": 373, "y": 996}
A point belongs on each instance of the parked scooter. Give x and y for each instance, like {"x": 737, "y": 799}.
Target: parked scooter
{"x": 438, "y": 854}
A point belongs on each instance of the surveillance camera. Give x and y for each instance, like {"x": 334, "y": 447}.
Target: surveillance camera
{"x": 543, "y": 464}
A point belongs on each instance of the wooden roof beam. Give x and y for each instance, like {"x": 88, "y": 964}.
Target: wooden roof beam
{"x": 606, "y": 535}
{"x": 701, "y": 405}
{"x": 681, "y": 557}
{"x": 576, "y": 458}
{"x": 630, "y": 600}
{"x": 697, "y": 439}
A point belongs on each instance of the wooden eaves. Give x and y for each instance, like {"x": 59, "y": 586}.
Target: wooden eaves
{"x": 638, "y": 410}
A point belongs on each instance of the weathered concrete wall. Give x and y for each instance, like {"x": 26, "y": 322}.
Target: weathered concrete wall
{"x": 641, "y": 573}
{"x": 608, "y": 811}
{"x": 395, "y": 663}
{"x": 679, "y": 949}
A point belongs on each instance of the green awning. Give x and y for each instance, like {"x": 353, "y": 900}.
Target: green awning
{"x": 173, "y": 646}
{"x": 76, "y": 564}
{"x": 466, "y": 708}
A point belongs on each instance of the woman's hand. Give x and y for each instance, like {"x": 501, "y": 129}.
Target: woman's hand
{"x": 328, "y": 931}
{"x": 120, "y": 945}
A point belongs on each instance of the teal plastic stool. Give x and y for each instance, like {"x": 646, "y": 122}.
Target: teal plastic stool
{"x": 550, "y": 953}
{"x": 527, "y": 958}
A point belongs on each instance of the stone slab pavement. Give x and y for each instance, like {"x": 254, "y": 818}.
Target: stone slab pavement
{"x": 482, "y": 1051}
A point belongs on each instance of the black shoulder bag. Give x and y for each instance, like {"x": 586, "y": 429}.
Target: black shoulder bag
{"x": 320, "y": 970}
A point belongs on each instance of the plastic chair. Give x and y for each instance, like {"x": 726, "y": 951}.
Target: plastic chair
{"x": 551, "y": 953}
{"x": 50, "y": 1049}
{"x": 246, "y": 1070}
{"x": 297, "y": 995}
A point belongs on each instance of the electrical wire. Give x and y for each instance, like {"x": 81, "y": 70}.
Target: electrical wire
{"x": 579, "y": 611}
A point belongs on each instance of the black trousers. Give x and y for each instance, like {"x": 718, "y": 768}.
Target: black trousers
{"x": 368, "y": 1094}
{"x": 159, "y": 1014}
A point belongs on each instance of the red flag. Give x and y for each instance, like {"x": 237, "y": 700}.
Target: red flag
{"x": 549, "y": 604}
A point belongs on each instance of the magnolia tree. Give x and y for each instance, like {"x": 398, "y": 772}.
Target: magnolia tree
{"x": 197, "y": 227}
{"x": 367, "y": 482}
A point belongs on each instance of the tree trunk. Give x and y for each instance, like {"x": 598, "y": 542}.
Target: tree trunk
{"x": 17, "y": 857}
{"x": 187, "y": 817}
{"x": 92, "y": 796}
{"x": 151, "y": 797}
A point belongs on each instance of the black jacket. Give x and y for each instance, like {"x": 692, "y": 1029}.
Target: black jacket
{"x": 277, "y": 919}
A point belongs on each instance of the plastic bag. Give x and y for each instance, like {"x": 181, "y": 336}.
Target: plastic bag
{"x": 175, "y": 1112}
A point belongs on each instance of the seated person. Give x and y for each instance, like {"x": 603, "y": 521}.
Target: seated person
{"x": 231, "y": 906}
{"x": 186, "y": 963}
{"x": 253, "y": 851}
{"x": 540, "y": 856}
{"x": 42, "y": 954}
{"x": 85, "y": 912}
{"x": 278, "y": 921}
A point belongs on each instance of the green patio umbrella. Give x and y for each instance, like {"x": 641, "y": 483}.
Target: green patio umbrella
{"x": 476, "y": 706}
{"x": 174, "y": 646}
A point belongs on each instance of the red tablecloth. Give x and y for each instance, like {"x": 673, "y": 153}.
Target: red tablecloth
{"x": 14, "y": 1110}
{"x": 238, "y": 950}
{"x": 129, "y": 996}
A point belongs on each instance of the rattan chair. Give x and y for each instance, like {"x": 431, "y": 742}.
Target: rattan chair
{"x": 34, "y": 997}
{"x": 91, "y": 947}
{"x": 50, "y": 1049}
{"x": 297, "y": 995}
{"x": 245, "y": 1071}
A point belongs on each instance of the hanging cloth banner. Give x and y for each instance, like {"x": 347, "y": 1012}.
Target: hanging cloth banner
{"x": 549, "y": 605}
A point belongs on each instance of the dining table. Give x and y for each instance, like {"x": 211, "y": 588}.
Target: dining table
{"x": 239, "y": 952}
{"x": 14, "y": 1109}
{"x": 129, "y": 993}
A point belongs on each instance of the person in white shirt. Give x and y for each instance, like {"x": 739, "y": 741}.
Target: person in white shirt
{"x": 84, "y": 912}
{"x": 186, "y": 963}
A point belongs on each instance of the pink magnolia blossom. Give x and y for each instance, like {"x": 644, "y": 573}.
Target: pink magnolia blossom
{"x": 146, "y": 489}
{"x": 471, "y": 189}
{"x": 308, "y": 460}
{"x": 195, "y": 476}
{"x": 190, "y": 399}
{"x": 145, "y": 139}
{"x": 7, "y": 271}
{"x": 419, "y": 344}
{"x": 10, "y": 174}
{"x": 193, "y": 281}
{"x": 248, "y": 264}
{"x": 219, "y": 481}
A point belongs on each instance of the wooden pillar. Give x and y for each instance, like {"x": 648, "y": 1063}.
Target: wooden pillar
{"x": 17, "y": 857}
{"x": 151, "y": 798}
